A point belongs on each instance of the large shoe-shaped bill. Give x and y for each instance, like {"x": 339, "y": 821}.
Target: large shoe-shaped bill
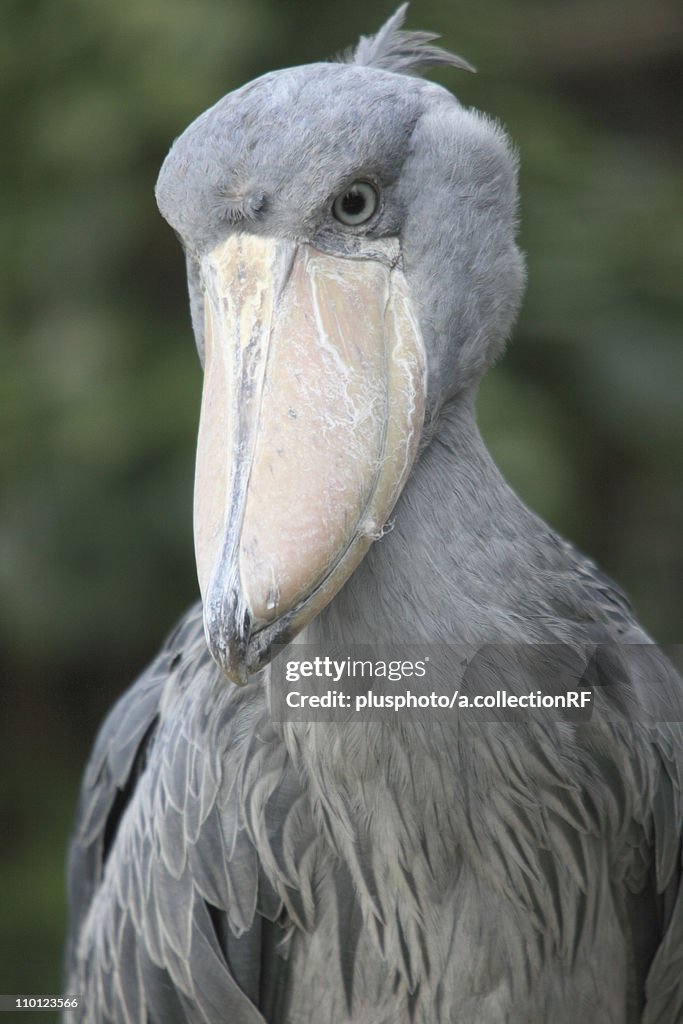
{"x": 313, "y": 404}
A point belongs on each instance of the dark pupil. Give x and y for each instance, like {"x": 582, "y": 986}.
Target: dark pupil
{"x": 353, "y": 202}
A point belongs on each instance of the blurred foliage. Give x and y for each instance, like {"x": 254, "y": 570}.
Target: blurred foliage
{"x": 99, "y": 383}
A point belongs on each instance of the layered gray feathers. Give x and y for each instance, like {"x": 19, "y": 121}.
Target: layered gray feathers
{"x": 247, "y": 865}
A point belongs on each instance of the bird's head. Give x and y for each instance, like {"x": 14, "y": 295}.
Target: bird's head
{"x": 349, "y": 233}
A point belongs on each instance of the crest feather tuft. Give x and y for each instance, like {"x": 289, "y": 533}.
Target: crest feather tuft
{"x": 406, "y": 53}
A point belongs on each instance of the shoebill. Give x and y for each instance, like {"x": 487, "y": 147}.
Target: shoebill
{"x": 349, "y": 230}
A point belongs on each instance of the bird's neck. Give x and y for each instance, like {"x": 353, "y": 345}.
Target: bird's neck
{"x": 455, "y": 560}
{"x": 446, "y": 574}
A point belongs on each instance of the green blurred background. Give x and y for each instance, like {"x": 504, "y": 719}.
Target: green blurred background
{"x": 99, "y": 382}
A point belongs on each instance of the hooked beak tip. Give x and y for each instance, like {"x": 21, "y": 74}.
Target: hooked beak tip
{"x": 228, "y": 628}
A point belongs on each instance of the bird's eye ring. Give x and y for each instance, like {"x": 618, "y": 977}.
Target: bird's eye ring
{"x": 356, "y": 204}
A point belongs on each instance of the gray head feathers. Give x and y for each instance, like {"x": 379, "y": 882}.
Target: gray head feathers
{"x": 405, "y": 53}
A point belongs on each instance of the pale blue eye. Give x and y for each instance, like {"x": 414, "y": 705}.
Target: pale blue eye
{"x": 356, "y": 204}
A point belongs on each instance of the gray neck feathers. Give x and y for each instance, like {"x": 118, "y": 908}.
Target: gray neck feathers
{"x": 465, "y": 560}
